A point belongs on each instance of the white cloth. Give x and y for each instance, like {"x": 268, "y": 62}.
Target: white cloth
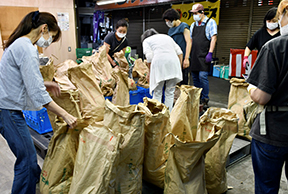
{"x": 162, "y": 51}
{"x": 169, "y": 92}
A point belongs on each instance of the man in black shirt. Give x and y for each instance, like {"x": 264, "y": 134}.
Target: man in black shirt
{"x": 268, "y": 86}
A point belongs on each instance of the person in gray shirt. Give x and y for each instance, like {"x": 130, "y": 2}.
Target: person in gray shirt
{"x": 22, "y": 88}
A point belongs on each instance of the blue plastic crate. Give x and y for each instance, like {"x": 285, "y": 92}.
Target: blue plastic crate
{"x": 38, "y": 120}
{"x": 136, "y": 96}
{"x": 216, "y": 70}
{"x": 108, "y": 97}
{"x": 146, "y": 93}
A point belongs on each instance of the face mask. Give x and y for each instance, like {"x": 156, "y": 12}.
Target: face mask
{"x": 271, "y": 26}
{"x": 120, "y": 35}
{"x": 170, "y": 24}
{"x": 284, "y": 29}
{"x": 42, "y": 42}
{"x": 196, "y": 18}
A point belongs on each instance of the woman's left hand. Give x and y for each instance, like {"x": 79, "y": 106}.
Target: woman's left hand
{"x": 186, "y": 63}
{"x": 53, "y": 87}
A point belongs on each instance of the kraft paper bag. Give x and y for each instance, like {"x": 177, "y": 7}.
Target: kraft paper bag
{"x": 47, "y": 70}
{"x": 121, "y": 95}
{"x": 238, "y": 98}
{"x": 102, "y": 71}
{"x": 185, "y": 113}
{"x": 69, "y": 101}
{"x": 129, "y": 122}
{"x": 157, "y": 125}
{"x": 61, "y": 74}
{"x": 58, "y": 166}
{"x": 185, "y": 170}
{"x": 141, "y": 70}
{"x": 216, "y": 157}
{"x": 91, "y": 98}
{"x": 96, "y": 160}
{"x": 122, "y": 61}
{"x": 250, "y": 112}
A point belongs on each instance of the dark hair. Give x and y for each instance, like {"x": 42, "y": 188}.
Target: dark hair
{"x": 270, "y": 14}
{"x": 32, "y": 21}
{"x": 171, "y": 15}
{"x": 123, "y": 23}
{"x": 148, "y": 33}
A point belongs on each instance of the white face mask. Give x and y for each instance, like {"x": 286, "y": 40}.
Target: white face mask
{"x": 120, "y": 35}
{"x": 271, "y": 26}
{"x": 170, "y": 24}
{"x": 284, "y": 29}
{"x": 196, "y": 17}
{"x": 42, "y": 42}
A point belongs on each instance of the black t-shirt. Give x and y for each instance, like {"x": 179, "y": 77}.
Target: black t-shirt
{"x": 113, "y": 42}
{"x": 260, "y": 38}
{"x": 270, "y": 74}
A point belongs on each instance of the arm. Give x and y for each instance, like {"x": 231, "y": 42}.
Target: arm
{"x": 108, "y": 56}
{"x": 247, "y": 51}
{"x": 188, "y": 48}
{"x": 212, "y": 43}
{"x": 69, "y": 119}
{"x": 124, "y": 50}
{"x": 259, "y": 96}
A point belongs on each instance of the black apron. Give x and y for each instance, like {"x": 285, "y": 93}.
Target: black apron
{"x": 200, "y": 48}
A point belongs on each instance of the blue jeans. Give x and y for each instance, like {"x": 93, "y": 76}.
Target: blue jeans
{"x": 200, "y": 80}
{"x": 268, "y": 161}
{"x": 26, "y": 170}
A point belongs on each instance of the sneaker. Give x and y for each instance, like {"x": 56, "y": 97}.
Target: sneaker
{"x": 205, "y": 101}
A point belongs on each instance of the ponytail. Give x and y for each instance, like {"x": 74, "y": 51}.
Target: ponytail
{"x": 32, "y": 21}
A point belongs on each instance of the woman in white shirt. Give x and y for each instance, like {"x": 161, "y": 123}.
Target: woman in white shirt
{"x": 164, "y": 59}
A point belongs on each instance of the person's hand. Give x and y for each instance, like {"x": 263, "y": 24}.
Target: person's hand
{"x": 250, "y": 88}
{"x": 246, "y": 62}
{"x": 53, "y": 87}
{"x": 208, "y": 57}
{"x": 70, "y": 120}
{"x": 186, "y": 63}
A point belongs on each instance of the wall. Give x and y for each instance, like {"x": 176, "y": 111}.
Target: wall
{"x": 59, "y": 49}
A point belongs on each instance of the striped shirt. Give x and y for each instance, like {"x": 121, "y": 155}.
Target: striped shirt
{"x": 21, "y": 83}
{"x": 211, "y": 27}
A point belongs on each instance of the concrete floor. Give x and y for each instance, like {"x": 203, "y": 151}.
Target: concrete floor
{"x": 239, "y": 175}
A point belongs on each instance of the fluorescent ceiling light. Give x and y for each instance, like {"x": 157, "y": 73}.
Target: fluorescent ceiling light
{"x": 105, "y": 2}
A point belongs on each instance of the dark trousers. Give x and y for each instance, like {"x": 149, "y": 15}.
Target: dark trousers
{"x": 268, "y": 161}
{"x": 26, "y": 170}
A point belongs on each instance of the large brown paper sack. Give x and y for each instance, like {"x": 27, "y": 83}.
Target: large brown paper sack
{"x": 58, "y": 166}
{"x": 69, "y": 101}
{"x": 216, "y": 157}
{"x": 157, "y": 125}
{"x": 122, "y": 61}
{"x": 250, "y": 112}
{"x": 96, "y": 160}
{"x": 61, "y": 74}
{"x": 47, "y": 71}
{"x": 121, "y": 95}
{"x": 129, "y": 122}
{"x": 141, "y": 71}
{"x": 185, "y": 113}
{"x": 91, "y": 98}
{"x": 185, "y": 170}
{"x": 238, "y": 97}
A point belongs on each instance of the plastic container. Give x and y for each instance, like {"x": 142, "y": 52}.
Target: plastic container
{"x": 224, "y": 72}
{"x": 216, "y": 70}
{"x": 146, "y": 93}
{"x": 80, "y": 52}
{"x": 108, "y": 97}
{"x": 38, "y": 120}
{"x": 136, "y": 96}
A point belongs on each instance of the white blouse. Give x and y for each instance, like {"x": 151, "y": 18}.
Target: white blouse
{"x": 162, "y": 52}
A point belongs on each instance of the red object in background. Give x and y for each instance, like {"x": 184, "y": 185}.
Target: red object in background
{"x": 236, "y": 60}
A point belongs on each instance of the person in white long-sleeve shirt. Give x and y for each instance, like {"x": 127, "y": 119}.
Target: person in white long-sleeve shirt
{"x": 164, "y": 59}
